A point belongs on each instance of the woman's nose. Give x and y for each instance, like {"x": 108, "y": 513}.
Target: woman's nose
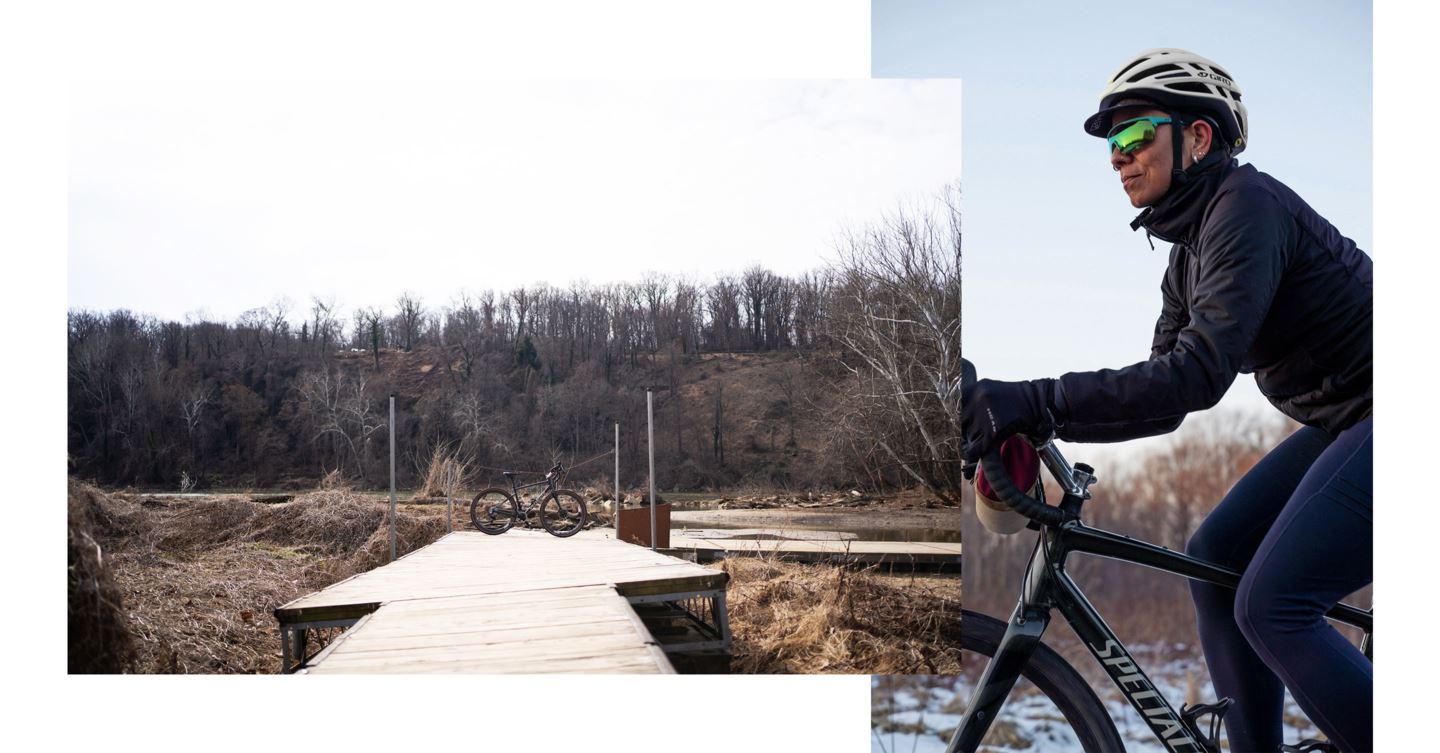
{"x": 1118, "y": 158}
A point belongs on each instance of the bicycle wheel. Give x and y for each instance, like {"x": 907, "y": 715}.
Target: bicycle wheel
{"x": 494, "y": 511}
{"x": 1052, "y": 676}
{"x": 563, "y": 512}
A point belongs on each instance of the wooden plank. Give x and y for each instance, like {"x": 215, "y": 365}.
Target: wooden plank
{"x": 636, "y": 663}
{"x": 582, "y": 629}
{"x": 630, "y": 581}
{"x": 857, "y": 551}
{"x": 521, "y": 602}
{"x": 470, "y": 563}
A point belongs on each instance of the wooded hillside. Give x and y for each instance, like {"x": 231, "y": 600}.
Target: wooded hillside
{"x": 839, "y": 377}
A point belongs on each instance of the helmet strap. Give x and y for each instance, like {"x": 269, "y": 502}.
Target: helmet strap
{"x": 1178, "y": 176}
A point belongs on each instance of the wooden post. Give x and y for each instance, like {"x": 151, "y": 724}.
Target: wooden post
{"x": 392, "y": 477}
{"x": 650, "y": 420}
{"x": 617, "y": 475}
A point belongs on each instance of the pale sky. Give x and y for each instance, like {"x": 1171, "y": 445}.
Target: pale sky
{"x": 225, "y": 196}
{"x": 1045, "y": 218}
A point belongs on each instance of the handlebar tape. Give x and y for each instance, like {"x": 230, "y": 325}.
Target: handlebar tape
{"x": 1018, "y": 501}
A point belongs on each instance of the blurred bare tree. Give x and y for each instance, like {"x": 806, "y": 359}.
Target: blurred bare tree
{"x": 897, "y": 320}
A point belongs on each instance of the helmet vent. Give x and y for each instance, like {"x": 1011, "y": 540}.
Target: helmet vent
{"x": 1190, "y": 86}
{"x": 1153, "y": 72}
{"x": 1126, "y": 69}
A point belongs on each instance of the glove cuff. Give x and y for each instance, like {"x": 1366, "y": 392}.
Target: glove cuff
{"x": 1053, "y": 401}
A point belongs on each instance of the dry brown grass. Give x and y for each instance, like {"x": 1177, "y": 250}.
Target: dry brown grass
{"x": 446, "y": 469}
{"x": 194, "y": 584}
{"x": 199, "y": 580}
{"x": 99, "y": 634}
{"x": 791, "y": 617}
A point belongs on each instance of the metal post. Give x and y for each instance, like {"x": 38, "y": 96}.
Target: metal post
{"x": 392, "y": 477}
{"x": 650, "y": 420}
{"x": 617, "y": 475}
{"x": 449, "y": 504}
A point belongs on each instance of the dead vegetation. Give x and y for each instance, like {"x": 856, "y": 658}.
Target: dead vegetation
{"x": 444, "y": 472}
{"x": 99, "y": 635}
{"x": 189, "y": 586}
{"x": 797, "y": 618}
{"x": 194, "y": 583}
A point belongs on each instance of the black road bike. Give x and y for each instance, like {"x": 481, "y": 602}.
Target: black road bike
{"x": 560, "y": 511}
{"x": 1014, "y": 649}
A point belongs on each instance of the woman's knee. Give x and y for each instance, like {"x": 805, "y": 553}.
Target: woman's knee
{"x": 1267, "y": 607}
{"x": 1251, "y": 612}
{"x": 1208, "y": 544}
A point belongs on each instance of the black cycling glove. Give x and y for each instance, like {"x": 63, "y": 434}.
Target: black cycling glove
{"x": 993, "y": 410}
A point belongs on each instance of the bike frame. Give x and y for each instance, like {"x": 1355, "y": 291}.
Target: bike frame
{"x": 1049, "y": 587}
{"x": 547, "y": 481}
{"x": 550, "y": 481}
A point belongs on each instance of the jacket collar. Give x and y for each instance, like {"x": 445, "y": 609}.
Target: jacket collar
{"x": 1176, "y": 217}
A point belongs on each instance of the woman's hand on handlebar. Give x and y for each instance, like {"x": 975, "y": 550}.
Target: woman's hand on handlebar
{"x": 993, "y": 410}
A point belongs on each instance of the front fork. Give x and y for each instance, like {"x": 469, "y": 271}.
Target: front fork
{"x": 1048, "y": 588}
{"x": 1022, "y": 636}
{"x": 1027, "y": 626}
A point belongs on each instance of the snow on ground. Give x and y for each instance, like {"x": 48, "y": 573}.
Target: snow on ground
{"x": 919, "y": 718}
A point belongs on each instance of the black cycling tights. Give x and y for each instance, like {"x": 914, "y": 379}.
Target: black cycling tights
{"x": 1298, "y": 525}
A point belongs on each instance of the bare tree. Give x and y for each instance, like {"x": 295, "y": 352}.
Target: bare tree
{"x": 521, "y": 300}
{"x": 192, "y": 406}
{"x": 409, "y": 315}
{"x": 373, "y": 317}
{"x": 325, "y": 328}
{"x": 275, "y": 321}
{"x": 340, "y": 413}
{"x": 897, "y": 318}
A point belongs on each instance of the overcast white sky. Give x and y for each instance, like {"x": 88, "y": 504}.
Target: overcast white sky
{"x": 223, "y": 197}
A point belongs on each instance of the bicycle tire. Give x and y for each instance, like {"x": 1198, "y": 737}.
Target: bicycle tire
{"x": 483, "y": 511}
{"x": 563, "y": 519}
{"x": 1053, "y": 676}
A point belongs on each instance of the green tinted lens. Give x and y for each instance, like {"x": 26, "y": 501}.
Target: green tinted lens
{"x": 1132, "y": 134}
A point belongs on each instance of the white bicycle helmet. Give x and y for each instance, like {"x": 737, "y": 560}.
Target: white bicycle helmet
{"x": 1180, "y": 81}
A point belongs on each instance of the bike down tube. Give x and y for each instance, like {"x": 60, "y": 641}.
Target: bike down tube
{"x": 1022, "y": 636}
{"x": 1107, "y": 649}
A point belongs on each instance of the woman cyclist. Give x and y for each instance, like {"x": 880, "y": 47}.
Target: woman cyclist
{"x": 1257, "y": 282}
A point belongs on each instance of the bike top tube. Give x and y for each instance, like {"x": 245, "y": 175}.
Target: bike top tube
{"x": 1080, "y": 538}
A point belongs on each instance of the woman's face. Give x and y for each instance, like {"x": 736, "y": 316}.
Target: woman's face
{"x": 1145, "y": 172}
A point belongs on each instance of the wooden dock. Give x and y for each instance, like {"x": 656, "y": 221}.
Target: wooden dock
{"x": 524, "y": 601}
{"x": 711, "y": 545}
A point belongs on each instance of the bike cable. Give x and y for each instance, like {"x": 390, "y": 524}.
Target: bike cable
{"x": 541, "y": 473}
{"x": 591, "y": 460}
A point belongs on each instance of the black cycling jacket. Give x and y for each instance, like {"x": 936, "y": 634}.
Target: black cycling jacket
{"x": 1257, "y": 282}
